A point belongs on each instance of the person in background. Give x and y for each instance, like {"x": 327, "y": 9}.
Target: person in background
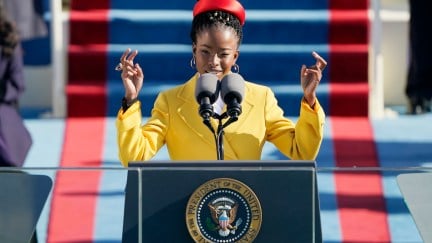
{"x": 15, "y": 139}
{"x": 27, "y": 15}
{"x": 216, "y": 36}
{"x": 419, "y": 83}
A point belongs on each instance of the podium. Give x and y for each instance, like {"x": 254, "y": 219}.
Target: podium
{"x": 214, "y": 201}
{"x": 22, "y": 198}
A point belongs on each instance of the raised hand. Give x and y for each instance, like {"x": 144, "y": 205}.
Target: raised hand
{"x": 132, "y": 74}
{"x": 310, "y": 78}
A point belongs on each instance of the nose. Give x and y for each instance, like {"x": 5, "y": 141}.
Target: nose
{"x": 214, "y": 60}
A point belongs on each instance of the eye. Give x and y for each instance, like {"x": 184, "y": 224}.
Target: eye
{"x": 204, "y": 51}
{"x": 224, "y": 54}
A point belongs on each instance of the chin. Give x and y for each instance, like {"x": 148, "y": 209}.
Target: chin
{"x": 219, "y": 74}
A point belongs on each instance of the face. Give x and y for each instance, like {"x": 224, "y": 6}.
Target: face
{"x": 216, "y": 51}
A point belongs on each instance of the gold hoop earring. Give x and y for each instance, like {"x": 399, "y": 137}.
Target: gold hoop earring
{"x": 235, "y": 68}
{"x": 193, "y": 63}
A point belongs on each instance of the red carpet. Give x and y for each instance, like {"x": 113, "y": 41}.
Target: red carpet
{"x": 75, "y": 192}
{"x": 360, "y": 197}
{"x": 348, "y": 62}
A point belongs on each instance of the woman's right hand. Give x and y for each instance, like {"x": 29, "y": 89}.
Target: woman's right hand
{"x": 132, "y": 74}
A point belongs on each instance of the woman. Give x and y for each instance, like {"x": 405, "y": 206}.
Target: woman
{"x": 216, "y": 36}
{"x": 15, "y": 140}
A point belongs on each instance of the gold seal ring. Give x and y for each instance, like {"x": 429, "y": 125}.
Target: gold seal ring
{"x": 223, "y": 210}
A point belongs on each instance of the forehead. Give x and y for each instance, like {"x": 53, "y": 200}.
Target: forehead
{"x": 216, "y": 36}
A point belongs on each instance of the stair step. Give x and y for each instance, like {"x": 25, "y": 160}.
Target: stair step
{"x": 86, "y": 99}
{"x": 348, "y": 63}
{"x": 165, "y": 26}
{"x": 337, "y": 100}
{"x": 168, "y": 27}
{"x": 349, "y": 27}
{"x": 289, "y": 96}
{"x": 188, "y": 5}
{"x": 279, "y": 37}
{"x": 257, "y": 62}
{"x": 349, "y": 99}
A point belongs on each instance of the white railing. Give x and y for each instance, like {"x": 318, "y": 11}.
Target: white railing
{"x": 388, "y": 59}
{"x": 376, "y": 81}
{"x": 58, "y": 49}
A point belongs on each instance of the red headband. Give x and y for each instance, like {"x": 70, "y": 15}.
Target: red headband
{"x": 231, "y": 6}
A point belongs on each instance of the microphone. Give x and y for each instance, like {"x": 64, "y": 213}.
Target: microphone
{"x": 206, "y": 91}
{"x": 232, "y": 91}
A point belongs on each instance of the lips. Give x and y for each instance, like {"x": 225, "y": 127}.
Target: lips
{"x": 215, "y": 71}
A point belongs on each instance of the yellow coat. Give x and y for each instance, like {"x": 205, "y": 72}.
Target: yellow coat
{"x": 175, "y": 121}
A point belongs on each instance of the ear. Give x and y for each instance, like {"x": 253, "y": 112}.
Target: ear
{"x": 236, "y": 55}
{"x": 194, "y": 47}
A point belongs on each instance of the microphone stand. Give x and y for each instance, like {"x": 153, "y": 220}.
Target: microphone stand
{"x": 218, "y": 135}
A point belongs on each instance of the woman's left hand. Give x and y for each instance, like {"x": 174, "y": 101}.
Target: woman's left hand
{"x": 310, "y": 78}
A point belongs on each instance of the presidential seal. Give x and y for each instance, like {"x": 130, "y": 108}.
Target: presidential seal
{"x": 223, "y": 210}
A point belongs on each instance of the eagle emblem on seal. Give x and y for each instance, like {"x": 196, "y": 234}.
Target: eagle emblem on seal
{"x": 223, "y": 213}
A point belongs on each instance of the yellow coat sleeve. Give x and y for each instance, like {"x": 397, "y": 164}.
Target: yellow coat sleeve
{"x": 300, "y": 140}
{"x": 137, "y": 142}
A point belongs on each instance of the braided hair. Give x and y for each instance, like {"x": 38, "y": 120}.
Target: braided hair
{"x": 8, "y": 33}
{"x": 217, "y": 18}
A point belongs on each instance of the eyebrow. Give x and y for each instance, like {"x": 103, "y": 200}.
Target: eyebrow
{"x": 223, "y": 49}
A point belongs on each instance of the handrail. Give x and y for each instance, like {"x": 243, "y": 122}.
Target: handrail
{"x": 376, "y": 80}
{"x": 58, "y": 97}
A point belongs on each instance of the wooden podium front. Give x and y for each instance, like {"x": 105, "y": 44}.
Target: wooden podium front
{"x": 265, "y": 201}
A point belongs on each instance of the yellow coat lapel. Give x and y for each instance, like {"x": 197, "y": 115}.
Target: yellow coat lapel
{"x": 188, "y": 109}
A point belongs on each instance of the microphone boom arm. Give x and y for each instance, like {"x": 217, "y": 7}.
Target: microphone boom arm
{"x": 218, "y": 134}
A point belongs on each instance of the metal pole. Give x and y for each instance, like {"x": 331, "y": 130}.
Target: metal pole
{"x": 58, "y": 102}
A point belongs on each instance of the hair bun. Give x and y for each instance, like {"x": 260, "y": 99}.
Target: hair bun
{"x": 231, "y": 6}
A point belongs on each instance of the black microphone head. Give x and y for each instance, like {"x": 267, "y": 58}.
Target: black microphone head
{"x": 207, "y": 87}
{"x": 232, "y": 87}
